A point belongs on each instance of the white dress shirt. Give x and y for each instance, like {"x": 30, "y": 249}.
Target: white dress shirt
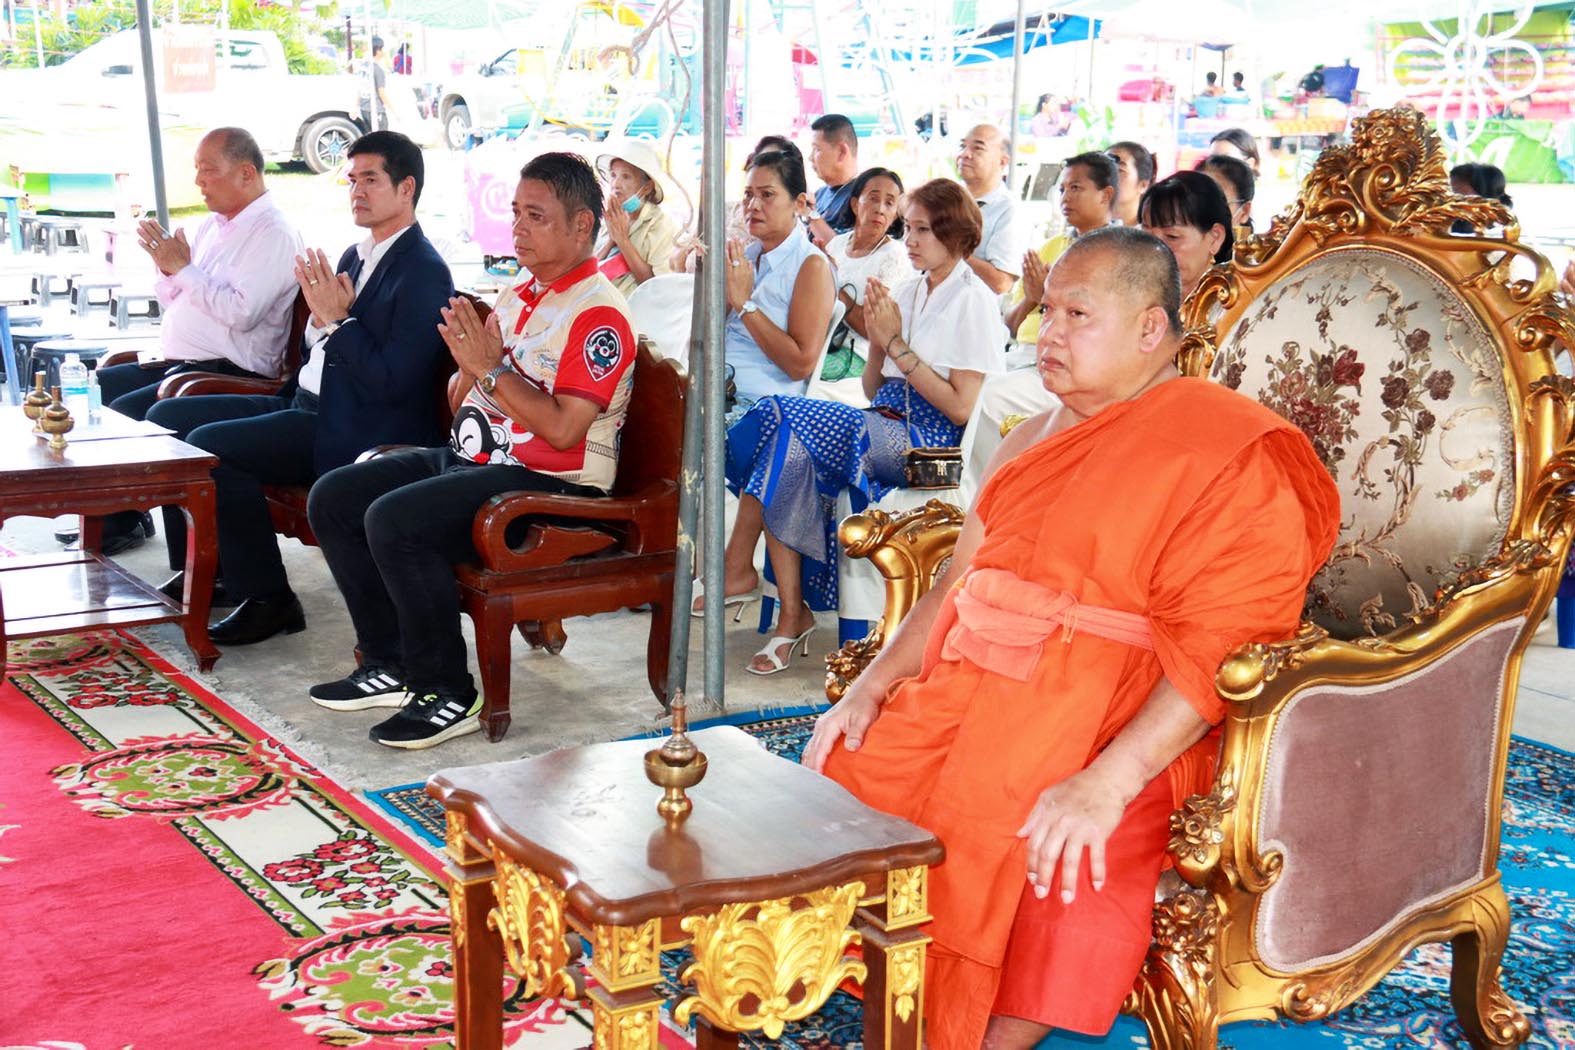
{"x": 371, "y": 253}
{"x": 233, "y": 299}
{"x": 1005, "y": 236}
{"x": 955, "y": 326}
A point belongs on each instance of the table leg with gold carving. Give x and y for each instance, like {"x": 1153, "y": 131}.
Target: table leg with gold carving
{"x": 894, "y": 951}
{"x": 629, "y": 1020}
{"x": 478, "y": 950}
{"x": 626, "y": 963}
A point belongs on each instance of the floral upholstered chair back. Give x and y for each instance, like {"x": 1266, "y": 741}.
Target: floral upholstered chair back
{"x": 1401, "y": 390}
{"x": 1385, "y": 339}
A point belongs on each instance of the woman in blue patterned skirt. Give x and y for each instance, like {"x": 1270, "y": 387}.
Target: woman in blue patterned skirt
{"x": 932, "y": 339}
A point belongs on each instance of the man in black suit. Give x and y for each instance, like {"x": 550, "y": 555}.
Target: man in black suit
{"x": 370, "y": 375}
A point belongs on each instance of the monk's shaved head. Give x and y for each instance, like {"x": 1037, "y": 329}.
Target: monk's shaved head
{"x": 1140, "y": 265}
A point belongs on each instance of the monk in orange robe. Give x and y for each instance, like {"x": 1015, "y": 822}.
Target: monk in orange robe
{"x": 1049, "y": 702}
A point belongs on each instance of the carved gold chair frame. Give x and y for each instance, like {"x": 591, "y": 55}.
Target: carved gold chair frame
{"x": 1388, "y": 192}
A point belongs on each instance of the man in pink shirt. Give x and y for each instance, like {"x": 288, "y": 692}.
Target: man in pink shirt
{"x": 225, "y": 294}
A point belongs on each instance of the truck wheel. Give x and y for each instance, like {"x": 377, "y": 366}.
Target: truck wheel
{"x": 325, "y": 142}
{"x": 456, "y": 126}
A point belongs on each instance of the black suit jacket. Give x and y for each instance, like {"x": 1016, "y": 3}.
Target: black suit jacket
{"x": 383, "y": 366}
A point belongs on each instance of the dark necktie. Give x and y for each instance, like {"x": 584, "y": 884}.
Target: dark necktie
{"x": 354, "y": 273}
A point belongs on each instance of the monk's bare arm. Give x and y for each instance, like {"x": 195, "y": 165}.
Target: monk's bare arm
{"x": 1082, "y": 811}
{"x": 903, "y": 653}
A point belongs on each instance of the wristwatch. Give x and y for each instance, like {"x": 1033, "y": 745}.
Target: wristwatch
{"x": 490, "y": 380}
{"x": 749, "y": 307}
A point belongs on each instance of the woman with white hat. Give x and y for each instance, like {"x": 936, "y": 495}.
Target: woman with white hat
{"x": 640, "y": 235}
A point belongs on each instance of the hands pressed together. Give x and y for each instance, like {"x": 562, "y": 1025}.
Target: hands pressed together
{"x": 1035, "y": 270}
{"x": 328, "y": 294}
{"x": 740, "y": 275}
{"x": 477, "y": 345}
{"x": 617, "y": 221}
{"x": 170, "y": 253}
{"x": 882, "y": 318}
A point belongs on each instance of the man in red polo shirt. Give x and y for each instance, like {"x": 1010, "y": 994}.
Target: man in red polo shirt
{"x": 539, "y": 399}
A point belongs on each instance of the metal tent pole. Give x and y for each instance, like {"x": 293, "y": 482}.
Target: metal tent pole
{"x": 703, "y": 437}
{"x": 151, "y": 94}
{"x": 371, "y": 74}
{"x": 1017, "y": 95}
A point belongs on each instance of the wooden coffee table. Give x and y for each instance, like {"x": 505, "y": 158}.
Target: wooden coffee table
{"x": 762, "y": 881}
{"x": 97, "y": 473}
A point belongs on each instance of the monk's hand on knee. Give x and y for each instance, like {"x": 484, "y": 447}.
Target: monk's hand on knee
{"x": 1077, "y": 815}
{"x": 849, "y": 721}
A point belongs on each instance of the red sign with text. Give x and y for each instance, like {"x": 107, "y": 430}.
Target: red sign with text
{"x": 189, "y": 60}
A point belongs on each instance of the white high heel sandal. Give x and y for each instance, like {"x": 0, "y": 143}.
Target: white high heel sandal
{"x": 742, "y": 601}
{"x": 770, "y": 653}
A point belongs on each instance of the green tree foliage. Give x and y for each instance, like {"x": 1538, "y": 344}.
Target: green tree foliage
{"x": 88, "y": 23}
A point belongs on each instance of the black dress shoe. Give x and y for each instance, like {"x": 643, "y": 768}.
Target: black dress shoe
{"x": 174, "y": 589}
{"x": 119, "y": 536}
{"x": 257, "y": 620}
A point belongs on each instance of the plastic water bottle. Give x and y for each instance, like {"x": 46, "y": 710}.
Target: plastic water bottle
{"x": 95, "y": 400}
{"x": 74, "y": 386}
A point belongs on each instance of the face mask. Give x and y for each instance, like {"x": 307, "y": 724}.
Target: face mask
{"x": 631, "y": 205}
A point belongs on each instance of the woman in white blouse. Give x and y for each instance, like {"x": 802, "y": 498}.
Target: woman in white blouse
{"x": 873, "y": 248}
{"x": 932, "y": 340}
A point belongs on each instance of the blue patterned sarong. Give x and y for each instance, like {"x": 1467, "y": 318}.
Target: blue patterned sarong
{"x": 796, "y": 454}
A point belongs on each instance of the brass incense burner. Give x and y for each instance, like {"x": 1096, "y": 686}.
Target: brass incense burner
{"x": 676, "y": 766}
{"x": 57, "y": 421}
{"x": 35, "y": 402}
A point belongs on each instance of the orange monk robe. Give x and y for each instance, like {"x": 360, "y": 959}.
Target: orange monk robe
{"x": 1191, "y": 505}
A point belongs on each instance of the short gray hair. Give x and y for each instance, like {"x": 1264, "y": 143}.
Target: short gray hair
{"x": 237, "y": 146}
{"x": 1144, "y": 266}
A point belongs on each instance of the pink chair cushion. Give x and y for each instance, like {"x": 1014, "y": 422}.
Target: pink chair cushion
{"x": 1378, "y": 798}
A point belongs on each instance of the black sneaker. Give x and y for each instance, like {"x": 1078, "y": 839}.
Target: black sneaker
{"x": 369, "y": 686}
{"x": 430, "y": 719}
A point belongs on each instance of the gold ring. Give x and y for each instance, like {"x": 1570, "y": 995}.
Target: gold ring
{"x": 460, "y": 336}
{"x": 312, "y": 281}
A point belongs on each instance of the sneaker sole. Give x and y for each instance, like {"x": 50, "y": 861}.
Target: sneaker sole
{"x": 471, "y": 724}
{"x": 362, "y": 703}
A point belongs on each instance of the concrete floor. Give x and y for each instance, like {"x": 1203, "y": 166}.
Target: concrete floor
{"x": 594, "y": 690}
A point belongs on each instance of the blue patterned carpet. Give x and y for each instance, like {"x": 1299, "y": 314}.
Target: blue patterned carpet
{"x": 1409, "y": 1009}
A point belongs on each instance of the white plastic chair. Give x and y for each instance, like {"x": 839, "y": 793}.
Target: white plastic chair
{"x": 663, "y": 309}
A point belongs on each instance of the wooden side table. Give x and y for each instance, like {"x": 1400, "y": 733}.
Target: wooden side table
{"x": 775, "y": 872}
{"x": 123, "y": 464}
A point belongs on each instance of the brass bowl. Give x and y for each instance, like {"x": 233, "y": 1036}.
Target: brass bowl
{"x": 674, "y": 779}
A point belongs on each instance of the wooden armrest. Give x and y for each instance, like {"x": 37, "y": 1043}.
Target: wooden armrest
{"x": 122, "y": 357}
{"x": 569, "y": 527}
{"x": 188, "y": 384}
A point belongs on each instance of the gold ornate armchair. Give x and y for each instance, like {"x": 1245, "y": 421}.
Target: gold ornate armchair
{"x": 1355, "y": 814}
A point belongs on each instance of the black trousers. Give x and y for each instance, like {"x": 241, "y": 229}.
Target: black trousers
{"x": 131, "y": 390}
{"x": 260, "y": 440}
{"x": 392, "y": 529}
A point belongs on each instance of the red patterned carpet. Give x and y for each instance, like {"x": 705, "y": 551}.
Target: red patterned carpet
{"x": 187, "y": 883}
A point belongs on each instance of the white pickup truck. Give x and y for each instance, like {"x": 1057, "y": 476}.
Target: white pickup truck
{"x": 294, "y": 117}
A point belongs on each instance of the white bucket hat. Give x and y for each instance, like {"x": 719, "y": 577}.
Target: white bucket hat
{"x": 637, "y": 153}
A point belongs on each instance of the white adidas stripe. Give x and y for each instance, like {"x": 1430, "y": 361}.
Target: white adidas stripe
{"x": 382, "y": 681}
